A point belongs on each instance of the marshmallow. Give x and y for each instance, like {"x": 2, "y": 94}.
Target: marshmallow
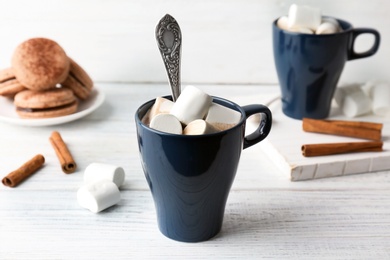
{"x": 326, "y": 28}
{"x": 160, "y": 106}
{"x": 98, "y": 196}
{"x": 304, "y": 16}
{"x": 381, "y": 99}
{"x": 301, "y": 30}
{"x": 352, "y": 100}
{"x": 331, "y": 20}
{"x": 199, "y": 127}
{"x": 166, "y": 123}
{"x": 342, "y": 91}
{"x": 222, "y": 117}
{"x": 192, "y": 104}
{"x": 282, "y": 23}
{"x": 369, "y": 86}
{"x": 356, "y": 104}
{"x": 100, "y": 171}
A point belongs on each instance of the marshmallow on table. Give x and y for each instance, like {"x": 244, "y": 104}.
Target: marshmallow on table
{"x": 99, "y": 195}
{"x": 166, "y": 123}
{"x": 199, "y": 127}
{"x": 100, "y": 171}
{"x": 342, "y": 91}
{"x": 304, "y": 17}
{"x": 380, "y": 94}
{"x": 352, "y": 100}
{"x": 221, "y": 117}
{"x": 192, "y": 104}
{"x": 368, "y": 86}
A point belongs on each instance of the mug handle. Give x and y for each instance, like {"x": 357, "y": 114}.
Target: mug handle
{"x": 264, "y": 126}
{"x": 352, "y": 55}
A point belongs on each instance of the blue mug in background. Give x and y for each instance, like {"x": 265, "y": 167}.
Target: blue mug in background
{"x": 309, "y": 66}
{"x": 190, "y": 176}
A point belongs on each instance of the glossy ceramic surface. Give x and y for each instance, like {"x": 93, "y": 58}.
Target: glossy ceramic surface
{"x": 309, "y": 67}
{"x": 190, "y": 176}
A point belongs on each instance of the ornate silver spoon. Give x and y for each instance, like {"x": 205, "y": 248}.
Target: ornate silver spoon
{"x": 168, "y": 36}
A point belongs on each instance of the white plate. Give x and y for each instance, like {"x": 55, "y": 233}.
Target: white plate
{"x": 8, "y": 111}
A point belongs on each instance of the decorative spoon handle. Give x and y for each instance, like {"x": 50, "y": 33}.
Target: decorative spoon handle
{"x": 168, "y": 36}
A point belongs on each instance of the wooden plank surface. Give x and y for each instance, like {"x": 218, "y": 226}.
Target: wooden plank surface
{"x": 267, "y": 215}
{"x": 258, "y": 224}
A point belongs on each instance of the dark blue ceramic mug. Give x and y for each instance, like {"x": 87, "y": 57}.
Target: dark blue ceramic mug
{"x": 309, "y": 67}
{"x": 190, "y": 176}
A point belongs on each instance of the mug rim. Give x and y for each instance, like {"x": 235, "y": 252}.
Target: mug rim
{"x": 350, "y": 27}
{"x": 214, "y": 98}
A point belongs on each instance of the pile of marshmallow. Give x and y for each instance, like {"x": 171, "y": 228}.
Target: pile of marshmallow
{"x": 193, "y": 113}
{"x": 306, "y": 19}
{"x": 101, "y": 186}
{"x": 361, "y": 99}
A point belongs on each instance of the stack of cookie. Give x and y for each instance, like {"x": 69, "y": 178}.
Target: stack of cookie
{"x": 43, "y": 81}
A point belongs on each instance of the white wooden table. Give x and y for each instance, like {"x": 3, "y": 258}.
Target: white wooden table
{"x": 267, "y": 215}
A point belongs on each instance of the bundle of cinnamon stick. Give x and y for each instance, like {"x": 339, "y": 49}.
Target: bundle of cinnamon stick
{"x": 363, "y": 130}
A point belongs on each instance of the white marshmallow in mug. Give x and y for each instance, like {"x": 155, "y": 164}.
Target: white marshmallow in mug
{"x": 327, "y": 19}
{"x": 352, "y": 100}
{"x": 161, "y": 106}
{"x": 199, "y": 127}
{"x": 282, "y": 23}
{"x": 222, "y": 117}
{"x": 166, "y": 123}
{"x": 99, "y": 195}
{"x": 326, "y": 28}
{"x": 192, "y": 104}
{"x": 302, "y": 30}
{"x": 304, "y": 16}
{"x": 101, "y": 171}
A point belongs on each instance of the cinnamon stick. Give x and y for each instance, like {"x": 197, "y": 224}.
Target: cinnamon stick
{"x": 364, "y": 130}
{"x": 67, "y": 162}
{"x": 28, "y": 168}
{"x": 310, "y": 150}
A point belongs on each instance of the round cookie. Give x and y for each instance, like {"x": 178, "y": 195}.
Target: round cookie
{"x": 44, "y": 104}
{"x": 78, "y": 80}
{"x": 40, "y": 64}
{"x": 9, "y": 85}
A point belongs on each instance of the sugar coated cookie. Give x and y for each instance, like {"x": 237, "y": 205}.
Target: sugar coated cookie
{"x": 40, "y": 64}
{"x": 45, "y": 104}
